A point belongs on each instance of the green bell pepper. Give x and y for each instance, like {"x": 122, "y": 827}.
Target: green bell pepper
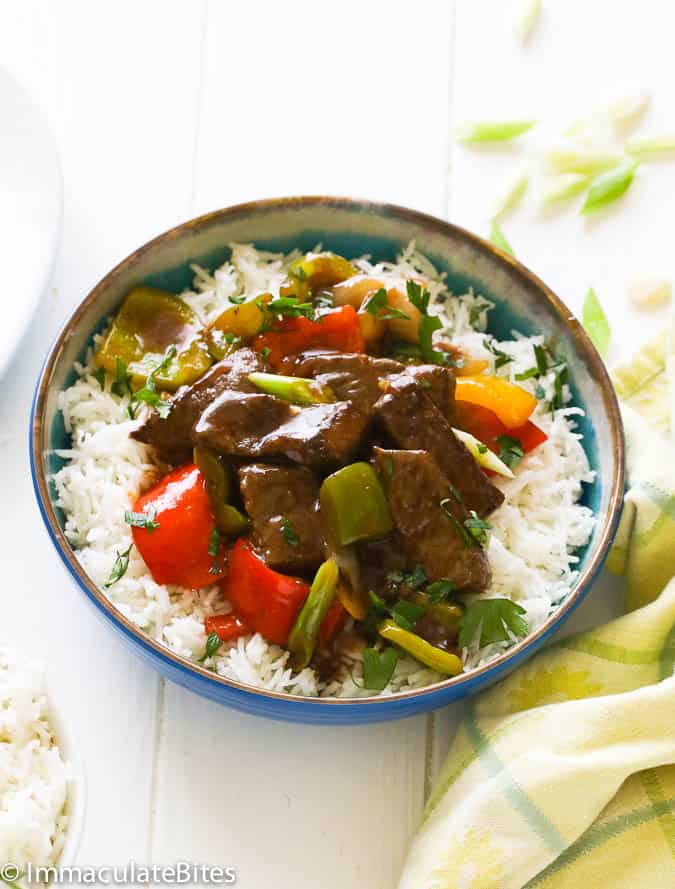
{"x": 354, "y": 506}
{"x": 229, "y": 520}
{"x": 149, "y": 323}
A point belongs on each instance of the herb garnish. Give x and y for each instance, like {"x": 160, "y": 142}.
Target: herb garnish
{"x": 149, "y": 394}
{"x": 439, "y": 590}
{"x": 501, "y": 357}
{"x": 378, "y": 667}
{"x": 142, "y": 519}
{"x": 119, "y": 569}
{"x": 477, "y": 528}
{"x": 237, "y": 300}
{"x": 99, "y": 376}
{"x": 459, "y": 526}
{"x": 214, "y": 550}
{"x": 213, "y": 643}
{"x": 510, "y": 450}
{"x": 406, "y": 613}
{"x": 289, "y": 533}
{"x": 264, "y": 353}
{"x": 121, "y": 385}
{"x": 428, "y": 325}
{"x": 559, "y": 381}
{"x": 378, "y": 301}
{"x": 495, "y": 618}
{"x": 290, "y": 307}
{"x": 323, "y": 300}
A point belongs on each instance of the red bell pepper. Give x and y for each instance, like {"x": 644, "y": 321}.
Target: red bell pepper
{"x": 487, "y": 427}
{"x": 332, "y": 622}
{"x": 268, "y": 602}
{"x": 337, "y": 329}
{"x": 226, "y": 626}
{"x": 264, "y": 599}
{"x": 174, "y": 541}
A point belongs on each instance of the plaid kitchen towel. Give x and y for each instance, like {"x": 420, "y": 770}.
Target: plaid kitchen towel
{"x": 562, "y": 776}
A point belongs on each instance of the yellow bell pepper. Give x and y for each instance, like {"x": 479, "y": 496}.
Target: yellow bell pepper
{"x": 238, "y": 322}
{"x": 512, "y": 404}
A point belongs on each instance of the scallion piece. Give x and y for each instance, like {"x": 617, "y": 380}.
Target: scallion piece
{"x": 609, "y": 186}
{"x": 493, "y": 131}
{"x": 648, "y": 293}
{"x": 652, "y": 146}
{"x": 527, "y": 20}
{"x": 581, "y": 160}
{"x": 563, "y": 187}
{"x": 596, "y": 323}
{"x": 482, "y": 454}
{"x": 512, "y": 196}
{"x": 498, "y": 238}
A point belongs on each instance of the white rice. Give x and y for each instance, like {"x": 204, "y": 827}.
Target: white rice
{"x": 33, "y": 776}
{"x": 534, "y": 533}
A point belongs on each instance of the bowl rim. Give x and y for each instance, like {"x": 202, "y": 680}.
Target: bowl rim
{"x": 514, "y": 654}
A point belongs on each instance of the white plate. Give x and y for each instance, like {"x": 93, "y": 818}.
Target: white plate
{"x": 31, "y": 207}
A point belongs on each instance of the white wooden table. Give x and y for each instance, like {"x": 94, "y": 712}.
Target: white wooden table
{"x": 163, "y": 110}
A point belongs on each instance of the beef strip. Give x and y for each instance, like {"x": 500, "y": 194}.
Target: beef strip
{"x": 378, "y": 561}
{"x": 171, "y": 436}
{"x": 415, "y": 487}
{"x": 357, "y": 377}
{"x": 413, "y": 421}
{"x": 278, "y": 497}
{"x": 438, "y": 383}
{"x": 261, "y": 427}
{"x": 352, "y": 377}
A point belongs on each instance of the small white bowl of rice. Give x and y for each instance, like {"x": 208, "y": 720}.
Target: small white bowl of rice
{"x": 42, "y": 794}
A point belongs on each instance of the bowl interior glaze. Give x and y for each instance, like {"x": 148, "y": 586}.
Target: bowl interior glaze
{"x": 352, "y": 228}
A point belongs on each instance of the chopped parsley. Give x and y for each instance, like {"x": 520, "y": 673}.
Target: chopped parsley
{"x": 463, "y": 532}
{"x": 121, "y": 385}
{"x": 378, "y": 667}
{"x": 440, "y": 590}
{"x": 119, "y": 569}
{"x": 497, "y": 619}
{"x": 559, "y": 382}
{"x": 417, "y": 578}
{"x": 290, "y": 535}
{"x": 501, "y": 357}
{"x": 237, "y": 300}
{"x": 477, "y": 528}
{"x": 149, "y": 394}
{"x": 510, "y": 450}
{"x": 214, "y": 550}
{"x": 428, "y": 325}
{"x": 213, "y": 643}
{"x": 142, "y": 519}
{"x": 290, "y": 307}
{"x": 541, "y": 364}
{"x": 99, "y": 376}
{"x": 264, "y": 353}
{"x": 378, "y": 301}
{"x": 406, "y": 614}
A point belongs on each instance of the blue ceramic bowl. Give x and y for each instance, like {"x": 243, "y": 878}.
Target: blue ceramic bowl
{"x": 351, "y": 228}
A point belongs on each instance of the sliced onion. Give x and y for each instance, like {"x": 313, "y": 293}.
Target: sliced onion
{"x": 482, "y": 453}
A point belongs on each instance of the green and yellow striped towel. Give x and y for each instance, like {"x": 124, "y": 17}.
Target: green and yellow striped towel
{"x": 563, "y": 775}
